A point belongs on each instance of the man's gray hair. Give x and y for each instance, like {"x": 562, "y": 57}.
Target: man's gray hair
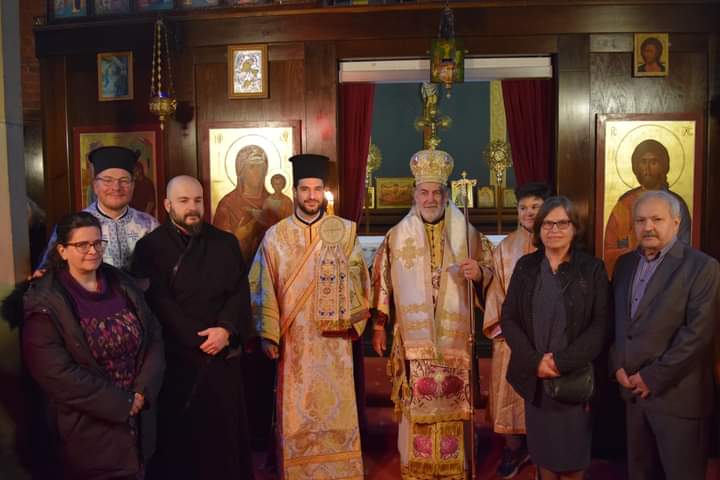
{"x": 663, "y": 195}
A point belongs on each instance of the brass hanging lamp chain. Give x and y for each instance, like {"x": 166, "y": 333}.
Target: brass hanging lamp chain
{"x": 170, "y": 86}
{"x": 154, "y": 61}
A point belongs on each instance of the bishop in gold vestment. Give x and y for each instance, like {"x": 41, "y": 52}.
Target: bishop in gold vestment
{"x": 420, "y": 281}
{"x": 309, "y": 286}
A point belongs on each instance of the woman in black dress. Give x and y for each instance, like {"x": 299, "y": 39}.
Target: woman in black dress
{"x": 555, "y": 318}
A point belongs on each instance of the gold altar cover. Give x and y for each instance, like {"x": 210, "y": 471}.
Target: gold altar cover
{"x": 318, "y": 432}
{"x": 506, "y": 409}
{"x": 432, "y": 329}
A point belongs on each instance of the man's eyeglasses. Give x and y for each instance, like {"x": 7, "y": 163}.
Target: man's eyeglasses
{"x": 84, "y": 247}
{"x": 123, "y": 182}
{"x": 561, "y": 224}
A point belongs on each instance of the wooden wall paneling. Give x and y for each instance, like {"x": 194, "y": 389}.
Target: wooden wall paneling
{"x": 418, "y": 47}
{"x": 321, "y": 103}
{"x": 380, "y": 23}
{"x": 286, "y": 51}
{"x": 373, "y": 23}
{"x": 575, "y": 166}
{"x": 285, "y": 103}
{"x": 614, "y": 90}
{"x": 286, "y": 100}
{"x": 710, "y": 240}
{"x": 276, "y": 53}
{"x": 93, "y": 37}
{"x": 34, "y": 178}
{"x": 624, "y": 42}
{"x": 56, "y": 163}
{"x": 611, "y": 42}
{"x": 85, "y": 110}
{"x": 181, "y": 130}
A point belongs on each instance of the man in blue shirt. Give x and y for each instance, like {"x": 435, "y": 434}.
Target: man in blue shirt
{"x": 122, "y": 226}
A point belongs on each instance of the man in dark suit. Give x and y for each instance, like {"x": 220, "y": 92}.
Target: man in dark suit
{"x": 667, "y": 301}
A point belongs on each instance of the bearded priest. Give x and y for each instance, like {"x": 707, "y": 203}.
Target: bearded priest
{"x": 309, "y": 286}
{"x": 421, "y": 275}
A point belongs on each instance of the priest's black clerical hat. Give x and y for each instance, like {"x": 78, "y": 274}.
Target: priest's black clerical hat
{"x": 309, "y": 165}
{"x": 113, "y": 157}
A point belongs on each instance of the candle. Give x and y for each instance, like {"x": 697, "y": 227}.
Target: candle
{"x": 330, "y": 202}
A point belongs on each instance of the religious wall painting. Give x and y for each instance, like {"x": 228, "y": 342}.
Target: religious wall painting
{"x": 248, "y": 177}
{"x": 460, "y": 190}
{"x": 447, "y": 61}
{"x": 394, "y": 192}
{"x": 651, "y": 55}
{"x": 639, "y": 152}
{"x": 509, "y": 198}
{"x": 247, "y": 71}
{"x": 486, "y": 197}
{"x": 67, "y": 9}
{"x": 153, "y": 5}
{"x": 149, "y": 180}
{"x": 115, "y": 76}
{"x": 111, "y": 7}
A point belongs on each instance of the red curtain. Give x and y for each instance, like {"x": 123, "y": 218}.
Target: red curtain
{"x": 528, "y": 107}
{"x": 356, "y": 107}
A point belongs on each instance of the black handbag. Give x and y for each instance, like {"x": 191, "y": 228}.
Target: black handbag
{"x": 575, "y": 387}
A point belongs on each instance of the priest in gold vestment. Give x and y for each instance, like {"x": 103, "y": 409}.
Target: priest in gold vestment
{"x": 506, "y": 409}
{"x": 310, "y": 286}
{"x": 420, "y": 280}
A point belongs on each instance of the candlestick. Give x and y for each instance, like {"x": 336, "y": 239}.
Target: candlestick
{"x": 330, "y": 202}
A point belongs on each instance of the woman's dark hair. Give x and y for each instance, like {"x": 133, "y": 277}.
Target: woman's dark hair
{"x": 548, "y": 206}
{"x": 63, "y": 232}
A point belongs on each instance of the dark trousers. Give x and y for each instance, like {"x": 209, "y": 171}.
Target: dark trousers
{"x": 658, "y": 443}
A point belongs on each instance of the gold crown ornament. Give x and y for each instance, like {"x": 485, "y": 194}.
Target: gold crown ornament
{"x": 431, "y": 166}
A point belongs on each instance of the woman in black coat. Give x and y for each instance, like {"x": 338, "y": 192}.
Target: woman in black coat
{"x": 555, "y": 318}
{"x": 91, "y": 343}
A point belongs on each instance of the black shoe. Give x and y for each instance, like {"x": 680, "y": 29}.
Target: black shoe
{"x": 511, "y": 462}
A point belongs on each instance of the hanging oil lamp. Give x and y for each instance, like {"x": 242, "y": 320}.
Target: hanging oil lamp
{"x": 162, "y": 100}
{"x": 447, "y": 56}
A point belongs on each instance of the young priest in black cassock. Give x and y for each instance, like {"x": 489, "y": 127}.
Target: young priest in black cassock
{"x": 199, "y": 292}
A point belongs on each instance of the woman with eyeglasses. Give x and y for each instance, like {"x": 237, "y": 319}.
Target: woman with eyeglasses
{"x": 94, "y": 348}
{"x": 555, "y": 319}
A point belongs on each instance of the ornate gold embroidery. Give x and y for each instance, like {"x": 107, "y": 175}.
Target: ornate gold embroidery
{"x": 415, "y": 308}
{"x": 316, "y": 419}
{"x": 437, "y": 450}
{"x": 409, "y": 253}
{"x": 323, "y": 458}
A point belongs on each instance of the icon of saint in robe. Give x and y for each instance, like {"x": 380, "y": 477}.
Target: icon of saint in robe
{"x": 240, "y": 212}
{"x": 650, "y": 164}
